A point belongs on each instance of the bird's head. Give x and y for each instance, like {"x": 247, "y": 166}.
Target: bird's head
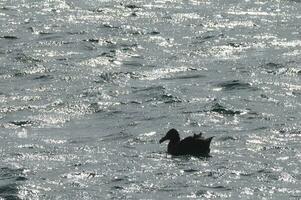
{"x": 172, "y": 135}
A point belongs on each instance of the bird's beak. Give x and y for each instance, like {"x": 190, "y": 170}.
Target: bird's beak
{"x": 162, "y": 139}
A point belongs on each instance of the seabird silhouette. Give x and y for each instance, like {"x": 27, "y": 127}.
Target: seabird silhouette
{"x": 195, "y": 145}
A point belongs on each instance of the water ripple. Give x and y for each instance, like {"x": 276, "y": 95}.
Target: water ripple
{"x": 235, "y": 85}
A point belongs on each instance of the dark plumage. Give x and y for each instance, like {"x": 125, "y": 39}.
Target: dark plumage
{"x": 195, "y": 145}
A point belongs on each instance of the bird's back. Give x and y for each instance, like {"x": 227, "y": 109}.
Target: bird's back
{"x": 194, "y": 146}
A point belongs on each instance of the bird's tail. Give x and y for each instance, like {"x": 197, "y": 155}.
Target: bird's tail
{"x": 207, "y": 143}
{"x": 209, "y": 139}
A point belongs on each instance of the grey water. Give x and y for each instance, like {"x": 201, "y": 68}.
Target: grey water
{"x": 87, "y": 89}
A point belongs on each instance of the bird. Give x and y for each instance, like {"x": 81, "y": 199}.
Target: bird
{"x": 195, "y": 145}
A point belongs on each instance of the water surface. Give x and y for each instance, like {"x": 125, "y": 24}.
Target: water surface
{"x": 87, "y": 89}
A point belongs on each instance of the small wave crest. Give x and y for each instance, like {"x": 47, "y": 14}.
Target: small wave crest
{"x": 232, "y": 85}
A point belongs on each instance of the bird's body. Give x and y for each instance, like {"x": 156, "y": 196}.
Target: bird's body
{"x": 195, "y": 145}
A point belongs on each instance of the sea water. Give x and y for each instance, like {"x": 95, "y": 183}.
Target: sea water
{"x": 88, "y": 88}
